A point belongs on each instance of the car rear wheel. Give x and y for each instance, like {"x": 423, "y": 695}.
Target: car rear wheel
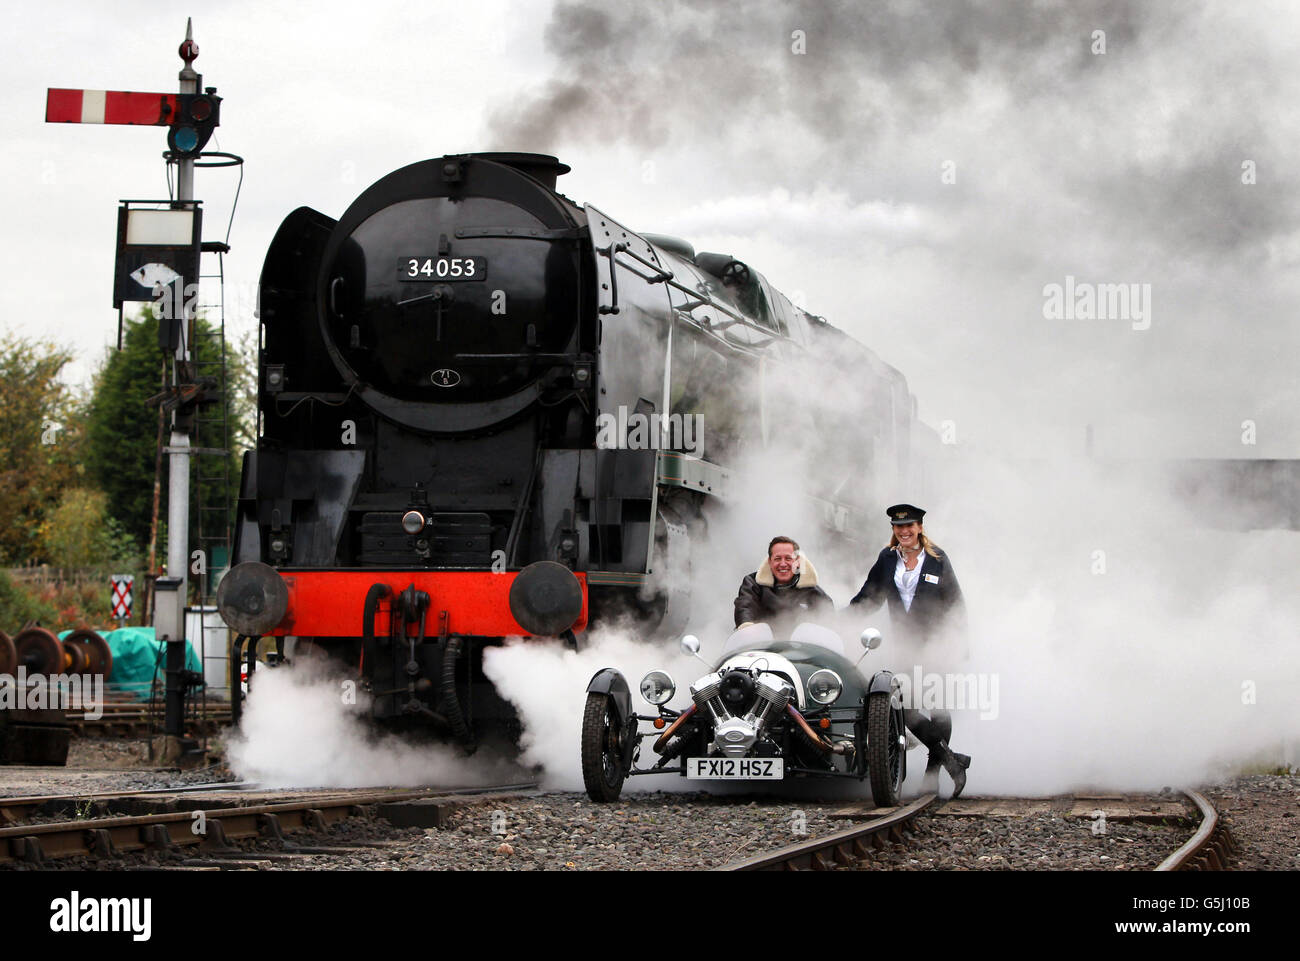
{"x": 602, "y": 755}
{"x": 886, "y": 742}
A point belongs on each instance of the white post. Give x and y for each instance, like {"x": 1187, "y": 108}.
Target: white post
{"x": 178, "y": 488}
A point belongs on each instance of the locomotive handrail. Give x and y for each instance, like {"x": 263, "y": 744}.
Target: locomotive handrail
{"x": 666, "y": 277}
{"x": 660, "y": 273}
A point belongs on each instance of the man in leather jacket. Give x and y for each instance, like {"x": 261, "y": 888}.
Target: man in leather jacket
{"x": 783, "y": 591}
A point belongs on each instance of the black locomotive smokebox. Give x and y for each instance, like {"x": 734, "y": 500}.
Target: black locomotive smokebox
{"x": 545, "y": 598}
{"x": 252, "y": 598}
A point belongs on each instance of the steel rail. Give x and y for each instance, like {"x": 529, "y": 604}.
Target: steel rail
{"x": 105, "y": 837}
{"x": 17, "y": 807}
{"x": 1208, "y": 848}
{"x": 843, "y": 848}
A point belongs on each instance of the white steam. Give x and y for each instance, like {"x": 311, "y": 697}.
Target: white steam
{"x": 547, "y": 682}
{"x": 1127, "y": 646}
{"x": 299, "y": 731}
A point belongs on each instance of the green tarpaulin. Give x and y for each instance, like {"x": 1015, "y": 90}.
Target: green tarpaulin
{"x": 136, "y": 656}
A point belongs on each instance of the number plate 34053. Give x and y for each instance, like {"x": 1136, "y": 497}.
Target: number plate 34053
{"x": 424, "y": 270}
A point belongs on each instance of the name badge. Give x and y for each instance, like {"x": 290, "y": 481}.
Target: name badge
{"x": 932, "y": 578}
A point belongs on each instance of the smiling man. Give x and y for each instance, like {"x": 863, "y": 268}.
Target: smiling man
{"x": 783, "y": 591}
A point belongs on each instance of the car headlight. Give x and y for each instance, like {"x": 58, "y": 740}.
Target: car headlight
{"x": 658, "y": 688}
{"x": 825, "y": 687}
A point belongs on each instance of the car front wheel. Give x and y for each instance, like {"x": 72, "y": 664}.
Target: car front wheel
{"x": 602, "y": 755}
{"x": 886, "y": 742}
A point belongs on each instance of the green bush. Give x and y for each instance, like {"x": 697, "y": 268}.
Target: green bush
{"x": 18, "y": 606}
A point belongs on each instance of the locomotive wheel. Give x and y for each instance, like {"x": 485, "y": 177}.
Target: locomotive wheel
{"x": 886, "y": 742}
{"x": 40, "y": 651}
{"x": 602, "y": 754}
{"x": 8, "y": 655}
{"x": 77, "y": 658}
{"x": 99, "y": 656}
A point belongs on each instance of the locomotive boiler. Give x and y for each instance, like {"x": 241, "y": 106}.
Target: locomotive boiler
{"x": 487, "y": 411}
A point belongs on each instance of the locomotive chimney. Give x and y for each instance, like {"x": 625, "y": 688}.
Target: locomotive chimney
{"x": 541, "y": 167}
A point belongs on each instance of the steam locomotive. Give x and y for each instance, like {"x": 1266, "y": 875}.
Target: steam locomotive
{"x": 486, "y": 411}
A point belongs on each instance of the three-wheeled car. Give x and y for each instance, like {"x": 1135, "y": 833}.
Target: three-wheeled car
{"x": 769, "y": 710}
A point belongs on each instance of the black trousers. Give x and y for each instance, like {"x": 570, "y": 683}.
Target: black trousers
{"x": 931, "y": 729}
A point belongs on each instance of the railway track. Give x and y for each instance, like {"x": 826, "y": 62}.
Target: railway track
{"x": 14, "y": 810}
{"x": 139, "y": 718}
{"x": 210, "y": 823}
{"x": 143, "y": 724}
{"x": 1207, "y": 849}
{"x": 843, "y": 848}
{"x": 199, "y": 824}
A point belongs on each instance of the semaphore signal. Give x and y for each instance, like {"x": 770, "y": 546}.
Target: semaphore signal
{"x": 159, "y": 246}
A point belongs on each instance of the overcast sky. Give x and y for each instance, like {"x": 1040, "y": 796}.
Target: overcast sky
{"x": 917, "y": 173}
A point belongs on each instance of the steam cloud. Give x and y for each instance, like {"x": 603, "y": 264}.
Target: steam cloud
{"x": 297, "y": 731}
{"x": 1137, "y": 643}
{"x": 823, "y": 169}
{"x": 1170, "y": 660}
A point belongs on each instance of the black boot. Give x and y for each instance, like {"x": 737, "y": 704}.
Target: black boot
{"x": 955, "y": 764}
{"x": 930, "y": 783}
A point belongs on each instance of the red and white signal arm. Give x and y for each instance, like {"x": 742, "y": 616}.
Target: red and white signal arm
{"x": 110, "y": 106}
{"x": 122, "y": 586}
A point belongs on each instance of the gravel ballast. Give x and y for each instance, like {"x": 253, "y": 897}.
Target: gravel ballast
{"x": 566, "y": 831}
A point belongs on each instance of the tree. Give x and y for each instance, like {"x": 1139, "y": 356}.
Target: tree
{"x": 122, "y": 431}
{"x": 242, "y": 389}
{"x": 41, "y": 442}
{"x": 79, "y": 532}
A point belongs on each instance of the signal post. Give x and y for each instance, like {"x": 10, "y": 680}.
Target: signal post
{"x": 158, "y": 253}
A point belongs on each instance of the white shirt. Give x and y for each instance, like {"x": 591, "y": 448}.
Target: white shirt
{"x": 906, "y": 580}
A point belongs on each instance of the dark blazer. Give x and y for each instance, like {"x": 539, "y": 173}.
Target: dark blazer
{"x": 937, "y": 599}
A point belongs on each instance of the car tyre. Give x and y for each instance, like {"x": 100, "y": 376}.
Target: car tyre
{"x": 885, "y": 749}
{"x": 602, "y": 754}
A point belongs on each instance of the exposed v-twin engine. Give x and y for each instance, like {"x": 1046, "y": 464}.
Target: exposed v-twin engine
{"x": 740, "y": 705}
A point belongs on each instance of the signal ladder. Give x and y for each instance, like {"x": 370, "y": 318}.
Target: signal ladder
{"x": 210, "y": 468}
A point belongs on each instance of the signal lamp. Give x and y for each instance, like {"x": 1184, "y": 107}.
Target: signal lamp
{"x": 197, "y": 114}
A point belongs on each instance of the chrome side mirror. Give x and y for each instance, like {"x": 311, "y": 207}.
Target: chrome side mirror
{"x": 691, "y": 645}
{"x": 870, "y": 638}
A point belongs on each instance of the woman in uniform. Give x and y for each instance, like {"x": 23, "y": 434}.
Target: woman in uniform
{"x": 917, "y": 581}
